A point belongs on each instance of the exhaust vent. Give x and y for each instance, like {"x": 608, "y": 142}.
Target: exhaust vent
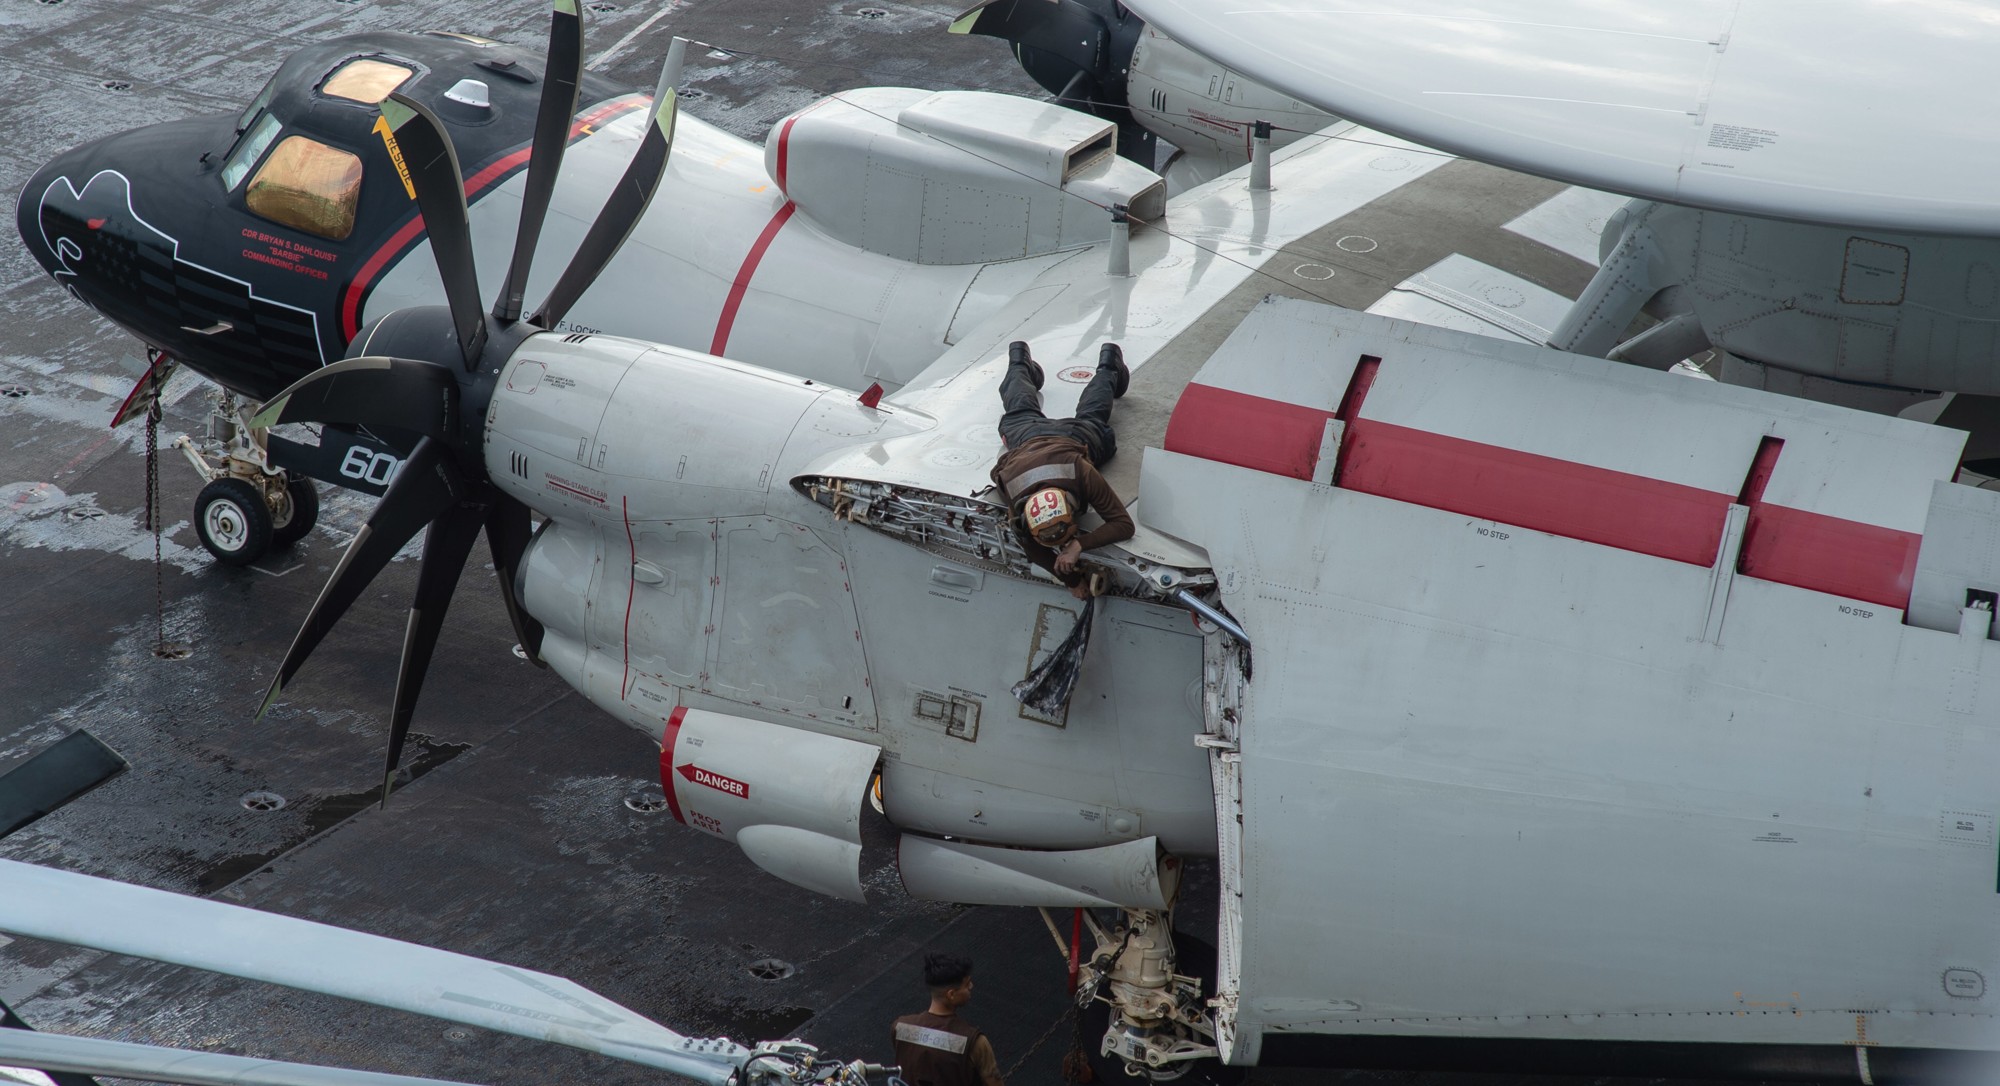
{"x": 956, "y": 177}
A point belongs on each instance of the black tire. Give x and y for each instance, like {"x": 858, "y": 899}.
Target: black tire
{"x": 233, "y": 522}
{"x": 302, "y": 499}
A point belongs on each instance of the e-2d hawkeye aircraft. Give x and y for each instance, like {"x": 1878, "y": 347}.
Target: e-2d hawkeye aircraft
{"x": 872, "y": 229}
{"x": 1598, "y": 720}
{"x": 1811, "y": 197}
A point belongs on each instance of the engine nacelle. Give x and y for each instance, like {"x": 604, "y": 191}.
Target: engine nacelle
{"x": 956, "y": 177}
{"x": 789, "y": 798}
{"x": 1131, "y": 875}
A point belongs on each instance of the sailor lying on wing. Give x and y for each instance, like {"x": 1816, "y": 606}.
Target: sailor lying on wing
{"x": 1048, "y": 475}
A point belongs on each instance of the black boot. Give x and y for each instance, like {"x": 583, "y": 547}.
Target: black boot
{"x": 1111, "y": 356}
{"x": 1017, "y": 355}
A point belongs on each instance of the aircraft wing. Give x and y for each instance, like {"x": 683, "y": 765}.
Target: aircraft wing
{"x": 1579, "y": 673}
{"x": 1210, "y": 254}
{"x": 1849, "y": 112}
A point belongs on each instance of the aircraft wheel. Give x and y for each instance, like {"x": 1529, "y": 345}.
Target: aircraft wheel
{"x": 297, "y": 513}
{"x": 233, "y": 522}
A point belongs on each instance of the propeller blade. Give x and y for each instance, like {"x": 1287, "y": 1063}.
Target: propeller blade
{"x": 1069, "y": 31}
{"x": 508, "y": 530}
{"x": 559, "y": 86}
{"x": 373, "y": 391}
{"x": 450, "y": 540}
{"x": 151, "y": 1063}
{"x": 417, "y": 140}
{"x": 627, "y": 201}
{"x": 428, "y": 484}
{"x": 63, "y": 907}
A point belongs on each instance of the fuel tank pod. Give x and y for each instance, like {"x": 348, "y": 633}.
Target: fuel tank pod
{"x": 1132, "y": 874}
{"x": 789, "y": 798}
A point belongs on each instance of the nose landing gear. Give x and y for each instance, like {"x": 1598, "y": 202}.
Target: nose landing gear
{"x": 247, "y": 506}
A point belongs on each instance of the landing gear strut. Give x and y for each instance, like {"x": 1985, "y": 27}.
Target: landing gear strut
{"x": 247, "y": 506}
{"x": 1158, "y": 1025}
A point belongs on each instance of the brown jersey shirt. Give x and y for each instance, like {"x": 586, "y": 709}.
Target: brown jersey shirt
{"x": 944, "y": 1050}
{"x": 1059, "y": 462}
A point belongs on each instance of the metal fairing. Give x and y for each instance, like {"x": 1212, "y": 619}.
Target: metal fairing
{"x": 790, "y": 799}
{"x": 994, "y": 176}
{"x": 1691, "y": 797}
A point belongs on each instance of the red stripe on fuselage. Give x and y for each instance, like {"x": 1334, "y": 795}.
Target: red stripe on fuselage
{"x": 406, "y": 235}
{"x": 727, "y": 321}
{"x": 667, "y": 741}
{"x": 1542, "y": 493}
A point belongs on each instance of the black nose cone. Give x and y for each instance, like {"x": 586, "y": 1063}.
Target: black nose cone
{"x": 105, "y": 220}
{"x": 28, "y": 214}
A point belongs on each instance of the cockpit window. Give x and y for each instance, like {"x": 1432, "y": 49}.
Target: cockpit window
{"x": 367, "y": 80}
{"x": 248, "y": 149}
{"x": 258, "y": 103}
{"x": 308, "y": 186}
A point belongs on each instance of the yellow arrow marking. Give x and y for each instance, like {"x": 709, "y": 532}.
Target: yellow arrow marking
{"x": 395, "y": 154}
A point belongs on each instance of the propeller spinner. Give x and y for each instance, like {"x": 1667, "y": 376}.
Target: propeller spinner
{"x": 425, "y": 374}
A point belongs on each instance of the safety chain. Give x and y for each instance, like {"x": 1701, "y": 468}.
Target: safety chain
{"x": 1036, "y": 1047}
{"x": 1076, "y": 1067}
{"x": 153, "y": 521}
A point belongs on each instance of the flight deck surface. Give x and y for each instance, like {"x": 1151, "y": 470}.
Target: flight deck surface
{"x": 530, "y": 831}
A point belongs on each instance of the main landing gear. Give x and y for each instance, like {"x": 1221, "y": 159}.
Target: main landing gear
{"x": 247, "y": 506}
{"x": 1155, "y": 1026}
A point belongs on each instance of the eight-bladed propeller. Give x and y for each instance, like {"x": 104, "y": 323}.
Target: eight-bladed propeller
{"x": 425, "y": 374}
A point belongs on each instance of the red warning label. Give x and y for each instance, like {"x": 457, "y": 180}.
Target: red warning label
{"x": 714, "y": 780}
